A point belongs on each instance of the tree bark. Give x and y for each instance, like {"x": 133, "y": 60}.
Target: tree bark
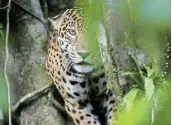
{"x": 118, "y": 61}
{"x": 26, "y": 67}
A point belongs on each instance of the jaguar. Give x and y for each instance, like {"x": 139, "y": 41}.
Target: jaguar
{"x": 83, "y": 87}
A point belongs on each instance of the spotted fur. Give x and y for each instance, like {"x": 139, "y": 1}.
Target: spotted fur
{"x": 84, "y": 92}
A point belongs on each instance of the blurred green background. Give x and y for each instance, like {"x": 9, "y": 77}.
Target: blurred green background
{"x": 3, "y": 95}
{"x": 3, "y": 87}
{"x": 150, "y": 31}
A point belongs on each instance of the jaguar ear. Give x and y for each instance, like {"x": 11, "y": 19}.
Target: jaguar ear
{"x": 53, "y": 21}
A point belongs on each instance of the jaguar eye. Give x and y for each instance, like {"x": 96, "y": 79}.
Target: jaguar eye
{"x": 72, "y": 32}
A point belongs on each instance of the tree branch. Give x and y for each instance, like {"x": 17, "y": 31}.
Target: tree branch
{"x": 29, "y": 96}
{"x": 5, "y": 7}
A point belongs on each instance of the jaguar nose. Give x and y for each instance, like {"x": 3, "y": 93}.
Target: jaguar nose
{"x": 84, "y": 53}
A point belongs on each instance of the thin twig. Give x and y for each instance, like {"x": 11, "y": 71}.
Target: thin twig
{"x": 5, "y": 7}
{"x": 29, "y": 96}
{"x": 6, "y": 62}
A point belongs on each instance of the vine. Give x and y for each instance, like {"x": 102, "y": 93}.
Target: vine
{"x": 6, "y": 60}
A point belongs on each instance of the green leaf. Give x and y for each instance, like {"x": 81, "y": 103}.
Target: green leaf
{"x": 151, "y": 73}
{"x": 129, "y": 98}
{"x": 137, "y": 66}
{"x": 1, "y": 33}
{"x": 149, "y": 87}
{"x": 134, "y": 76}
{"x": 129, "y": 73}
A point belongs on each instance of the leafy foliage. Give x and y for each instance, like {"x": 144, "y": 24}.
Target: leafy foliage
{"x": 129, "y": 98}
{"x": 149, "y": 88}
{"x": 146, "y": 105}
{"x": 149, "y": 102}
{"x": 138, "y": 110}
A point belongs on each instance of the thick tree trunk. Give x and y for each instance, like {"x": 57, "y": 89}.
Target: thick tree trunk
{"x": 26, "y": 67}
{"x": 116, "y": 30}
{"x": 30, "y": 73}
